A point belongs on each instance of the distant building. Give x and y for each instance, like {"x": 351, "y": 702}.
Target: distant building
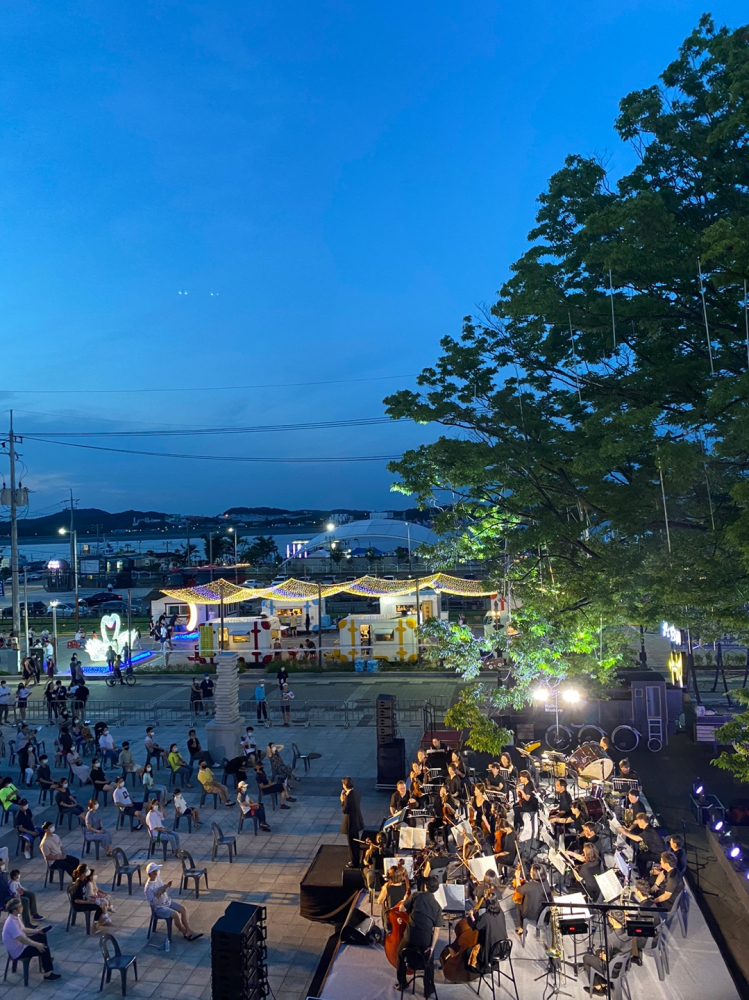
{"x": 382, "y": 534}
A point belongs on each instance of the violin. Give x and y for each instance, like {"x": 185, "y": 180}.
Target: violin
{"x": 454, "y": 958}
{"x": 517, "y": 881}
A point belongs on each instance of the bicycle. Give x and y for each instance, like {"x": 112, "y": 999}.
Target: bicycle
{"x": 128, "y": 676}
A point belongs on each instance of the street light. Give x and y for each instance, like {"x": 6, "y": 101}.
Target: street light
{"x": 64, "y": 531}
{"x": 330, "y": 526}
{"x": 233, "y": 531}
{"x": 53, "y": 605}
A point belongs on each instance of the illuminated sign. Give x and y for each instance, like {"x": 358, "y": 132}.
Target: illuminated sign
{"x": 111, "y": 635}
{"x": 671, "y": 633}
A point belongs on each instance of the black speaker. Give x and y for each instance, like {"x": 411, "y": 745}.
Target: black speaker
{"x": 356, "y": 928}
{"x": 385, "y": 718}
{"x": 391, "y": 763}
{"x": 352, "y": 879}
{"x": 239, "y": 968}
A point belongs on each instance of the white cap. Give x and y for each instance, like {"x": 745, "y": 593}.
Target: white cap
{"x": 153, "y": 867}
{"x": 242, "y": 784}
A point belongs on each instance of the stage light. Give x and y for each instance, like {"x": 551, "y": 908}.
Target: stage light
{"x": 698, "y": 788}
{"x": 541, "y": 694}
{"x": 717, "y": 827}
{"x": 734, "y": 852}
{"x": 571, "y": 696}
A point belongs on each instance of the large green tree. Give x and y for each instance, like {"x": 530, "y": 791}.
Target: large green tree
{"x": 598, "y": 438}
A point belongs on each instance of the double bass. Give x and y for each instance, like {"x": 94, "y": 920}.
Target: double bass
{"x": 397, "y": 922}
{"x": 455, "y": 956}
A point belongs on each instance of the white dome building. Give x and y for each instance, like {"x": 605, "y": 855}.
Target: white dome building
{"x": 382, "y": 534}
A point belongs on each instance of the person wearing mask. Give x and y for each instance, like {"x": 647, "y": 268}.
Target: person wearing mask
{"x": 155, "y": 824}
{"x": 422, "y": 931}
{"x": 178, "y": 765}
{"x": 248, "y": 744}
{"x": 211, "y": 786}
{"x": 28, "y": 898}
{"x": 206, "y": 690}
{"x": 79, "y": 770}
{"x": 196, "y": 752}
{"x": 156, "y": 892}
{"x": 251, "y": 808}
{"x": 260, "y": 701}
{"x": 66, "y": 741}
{"x": 122, "y": 801}
{"x": 126, "y": 761}
{"x": 282, "y": 677}
{"x": 152, "y": 747}
{"x": 107, "y": 747}
{"x": 95, "y": 827}
{"x": 25, "y": 827}
{"x": 23, "y": 694}
{"x": 44, "y": 774}
{"x": 21, "y": 943}
{"x": 287, "y": 696}
{"x": 99, "y": 779}
{"x": 352, "y": 822}
{"x": 150, "y": 787}
{"x": 65, "y": 800}
{"x": 79, "y": 897}
{"x": 268, "y": 787}
{"x": 6, "y": 700}
{"x": 181, "y": 808}
{"x": 196, "y": 697}
{"x": 54, "y": 853}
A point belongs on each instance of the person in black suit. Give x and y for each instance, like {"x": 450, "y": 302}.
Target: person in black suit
{"x": 352, "y": 823}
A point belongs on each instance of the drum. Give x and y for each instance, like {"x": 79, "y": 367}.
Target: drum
{"x": 595, "y": 791}
{"x": 590, "y": 761}
{"x": 554, "y": 764}
{"x": 595, "y": 810}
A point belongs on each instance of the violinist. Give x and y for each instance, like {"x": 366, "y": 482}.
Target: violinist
{"x": 457, "y": 763}
{"x": 526, "y": 803}
{"x": 416, "y": 790}
{"x": 374, "y": 857}
{"x": 473, "y": 847}
{"x": 494, "y": 779}
{"x": 534, "y": 899}
{"x": 422, "y": 933}
{"x": 505, "y": 762}
{"x": 480, "y": 808}
{"x": 498, "y": 816}
{"x": 486, "y": 887}
{"x": 453, "y": 783}
{"x": 505, "y": 845}
{"x": 444, "y": 818}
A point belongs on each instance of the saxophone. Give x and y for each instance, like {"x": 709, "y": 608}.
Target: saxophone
{"x": 555, "y": 952}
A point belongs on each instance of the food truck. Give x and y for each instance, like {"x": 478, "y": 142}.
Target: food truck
{"x": 378, "y": 637}
{"x": 250, "y": 638}
{"x": 292, "y": 612}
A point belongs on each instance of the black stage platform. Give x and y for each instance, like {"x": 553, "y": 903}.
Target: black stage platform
{"x": 328, "y": 887}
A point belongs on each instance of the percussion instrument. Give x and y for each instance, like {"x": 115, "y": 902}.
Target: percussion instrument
{"x": 590, "y": 761}
{"x": 595, "y": 791}
{"x": 595, "y": 810}
{"x": 557, "y": 768}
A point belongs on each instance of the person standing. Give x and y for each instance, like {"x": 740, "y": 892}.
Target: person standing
{"x": 306, "y": 623}
{"x": 352, "y": 823}
{"x": 22, "y": 696}
{"x": 6, "y": 698}
{"x": 260, "y": 702}
{"x": 287, "y": 696}
{"x": 21, "y": 943}
{"x": 206, "y": 689}
{"x": 422, "y": 931}
{"x": 196, "y": 697}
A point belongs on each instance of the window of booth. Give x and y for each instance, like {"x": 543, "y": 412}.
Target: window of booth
{"x": 177, "y": 609}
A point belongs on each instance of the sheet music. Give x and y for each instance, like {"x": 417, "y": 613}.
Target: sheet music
{"x": 557, "y": 860}
{"x": 462, "y": 832}
{"x": 480, "y": 866}
{"x": 614, "y": 825}
{"x": 610, "y": 886}
{"x": 581, "y": 910}
{"x": 451, "y": 897}
{"x": 389, "y": 863}
{"x": 412, "y": 838}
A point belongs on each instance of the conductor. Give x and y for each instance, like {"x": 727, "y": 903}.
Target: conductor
{"x": 352, "y": 823}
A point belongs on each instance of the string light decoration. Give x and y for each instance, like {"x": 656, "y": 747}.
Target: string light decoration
{"x": 300, "y": 590}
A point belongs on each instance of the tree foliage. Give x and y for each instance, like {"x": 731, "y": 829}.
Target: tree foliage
{"x": 736, "y": 733}
{"x": 600, "y": 463}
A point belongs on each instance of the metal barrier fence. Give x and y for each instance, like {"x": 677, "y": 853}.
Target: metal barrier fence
{"x": 361, "y": 712}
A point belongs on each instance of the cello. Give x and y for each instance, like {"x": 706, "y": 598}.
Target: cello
{"x": 398, "y": 922}
{"x": 455, "y": 956}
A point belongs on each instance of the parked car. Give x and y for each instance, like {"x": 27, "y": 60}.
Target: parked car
{"x": 276, "y": 580}
{"x": 113, "y": 608}
{"x": 328, "y": 580}
{"x": 67, "y": 610}
{"x": 96, "y": 599}
{"x": 36, "y": 609}
{"x": 253, "y": 583}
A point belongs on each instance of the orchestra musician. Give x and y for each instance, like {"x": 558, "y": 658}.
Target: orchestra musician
{"x": 352, "y": 822}
{"x": 416, "y": 779}
{"x": 618, "y": 942}
{"x": 400, "y": 798}
{"x": 374, "y": 856}
{"x": 605, "y": 745}
{"x": 444, "y": 818}
{"x": 526, "y": 803}
{"x": 649, "y": 842}
{"x": 453, "y": 783}
{"x": 534, "y": 899}
{"x": 562, "y": 813}
{"x": 435, "y": 746}
{"x": 579, "y": 817}
{"x": 676, "y": 846}
{"x": 491, "y": 926}
{"x": 642, "y": 897}
{"x": 505, "y": 844}
{"x": 480, "y": 808}
{"x": 424, "y": 923}
{"x": 505, "y": 762}
{"x": 488, "y": 885}
{"x": 494, "y": 779}
{"x": 633, "y": 805}
{"x": 457, "y": 762}
{"x": 625, "y": 770}
{"x": 668, "y": 884}
{"x": 587, "y": 871}
{"x": 394, "y": 890}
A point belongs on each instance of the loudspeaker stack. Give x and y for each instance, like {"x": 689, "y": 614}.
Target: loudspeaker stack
{"x": 239, "y": 969}
{"x": 391, "y": 751}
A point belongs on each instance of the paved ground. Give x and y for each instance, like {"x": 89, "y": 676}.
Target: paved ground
{"x": 267, "y": 872}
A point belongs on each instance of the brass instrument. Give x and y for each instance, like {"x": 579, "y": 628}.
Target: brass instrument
{"x": 555, "y": 950}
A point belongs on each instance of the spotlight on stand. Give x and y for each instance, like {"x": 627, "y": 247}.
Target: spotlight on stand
{"x": 734, "y": 851}
{"x": 698, "y": 789}
{"x": 571, "y": 696}
{"x": 541, "y": 694}
{"x": 718, "y": 826}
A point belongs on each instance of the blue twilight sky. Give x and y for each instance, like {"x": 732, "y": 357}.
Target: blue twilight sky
{"x": 348, "y": 179}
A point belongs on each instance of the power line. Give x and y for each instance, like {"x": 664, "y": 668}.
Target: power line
{"x": 251, "y": 429}
{"x": 204, "y": 388}
{"x": 215, "y": 458}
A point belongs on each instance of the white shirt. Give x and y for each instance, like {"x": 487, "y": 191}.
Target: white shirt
{"x": 106, "y": 742}
{"x": 248, "y": 744}
{"x": 121, "y": 797}
{"x": 154, "y": 819}
{"x": 13, "y": 929}
{"x": 14, "y": 888}
{"x": 180, "y": 806}
{"x": 5, "y": 695}
{"x": 150, "y": 889}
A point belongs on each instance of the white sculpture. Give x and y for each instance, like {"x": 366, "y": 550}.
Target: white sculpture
{"x": 111, "y": 635}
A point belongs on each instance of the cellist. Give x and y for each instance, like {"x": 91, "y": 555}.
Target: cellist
{"x": 444, "y": 817}
{"x": 530, "y": 899}
{"x": 505, "y": 844}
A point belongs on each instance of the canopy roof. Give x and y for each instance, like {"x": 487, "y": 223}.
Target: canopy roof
{"x": 365, "y": 586}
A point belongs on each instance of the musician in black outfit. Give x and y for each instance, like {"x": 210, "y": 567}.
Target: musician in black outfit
{"x": 618, "y": 942}
{"x": 649, "y": 842}
{"x": 650, "y": 908}
{"x": 453, "y": 784}
{"x": 625, "y": 770}
{"x": 491, "y": 926}
{"x": 399, "y": 799}
{"x": 494, "y": 779}
{"x": 634, "y": 803}
{"x": 588, "y": 870}
{"x": 669, "y": 884}
{"x": 505, "y": 762}
{"x": 422, "y": 933}
{"x": 535, "y": 898}
{"x": 352, "y": 823}
{"x": 676, "y": 846}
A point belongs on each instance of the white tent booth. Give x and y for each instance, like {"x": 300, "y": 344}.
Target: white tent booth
{"x": 293, "y": 611}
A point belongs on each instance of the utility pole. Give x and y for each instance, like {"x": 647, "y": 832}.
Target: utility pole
{"x": 13, "y": 530}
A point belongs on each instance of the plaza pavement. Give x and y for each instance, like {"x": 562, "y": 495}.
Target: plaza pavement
{"x": 267, "y": 871}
